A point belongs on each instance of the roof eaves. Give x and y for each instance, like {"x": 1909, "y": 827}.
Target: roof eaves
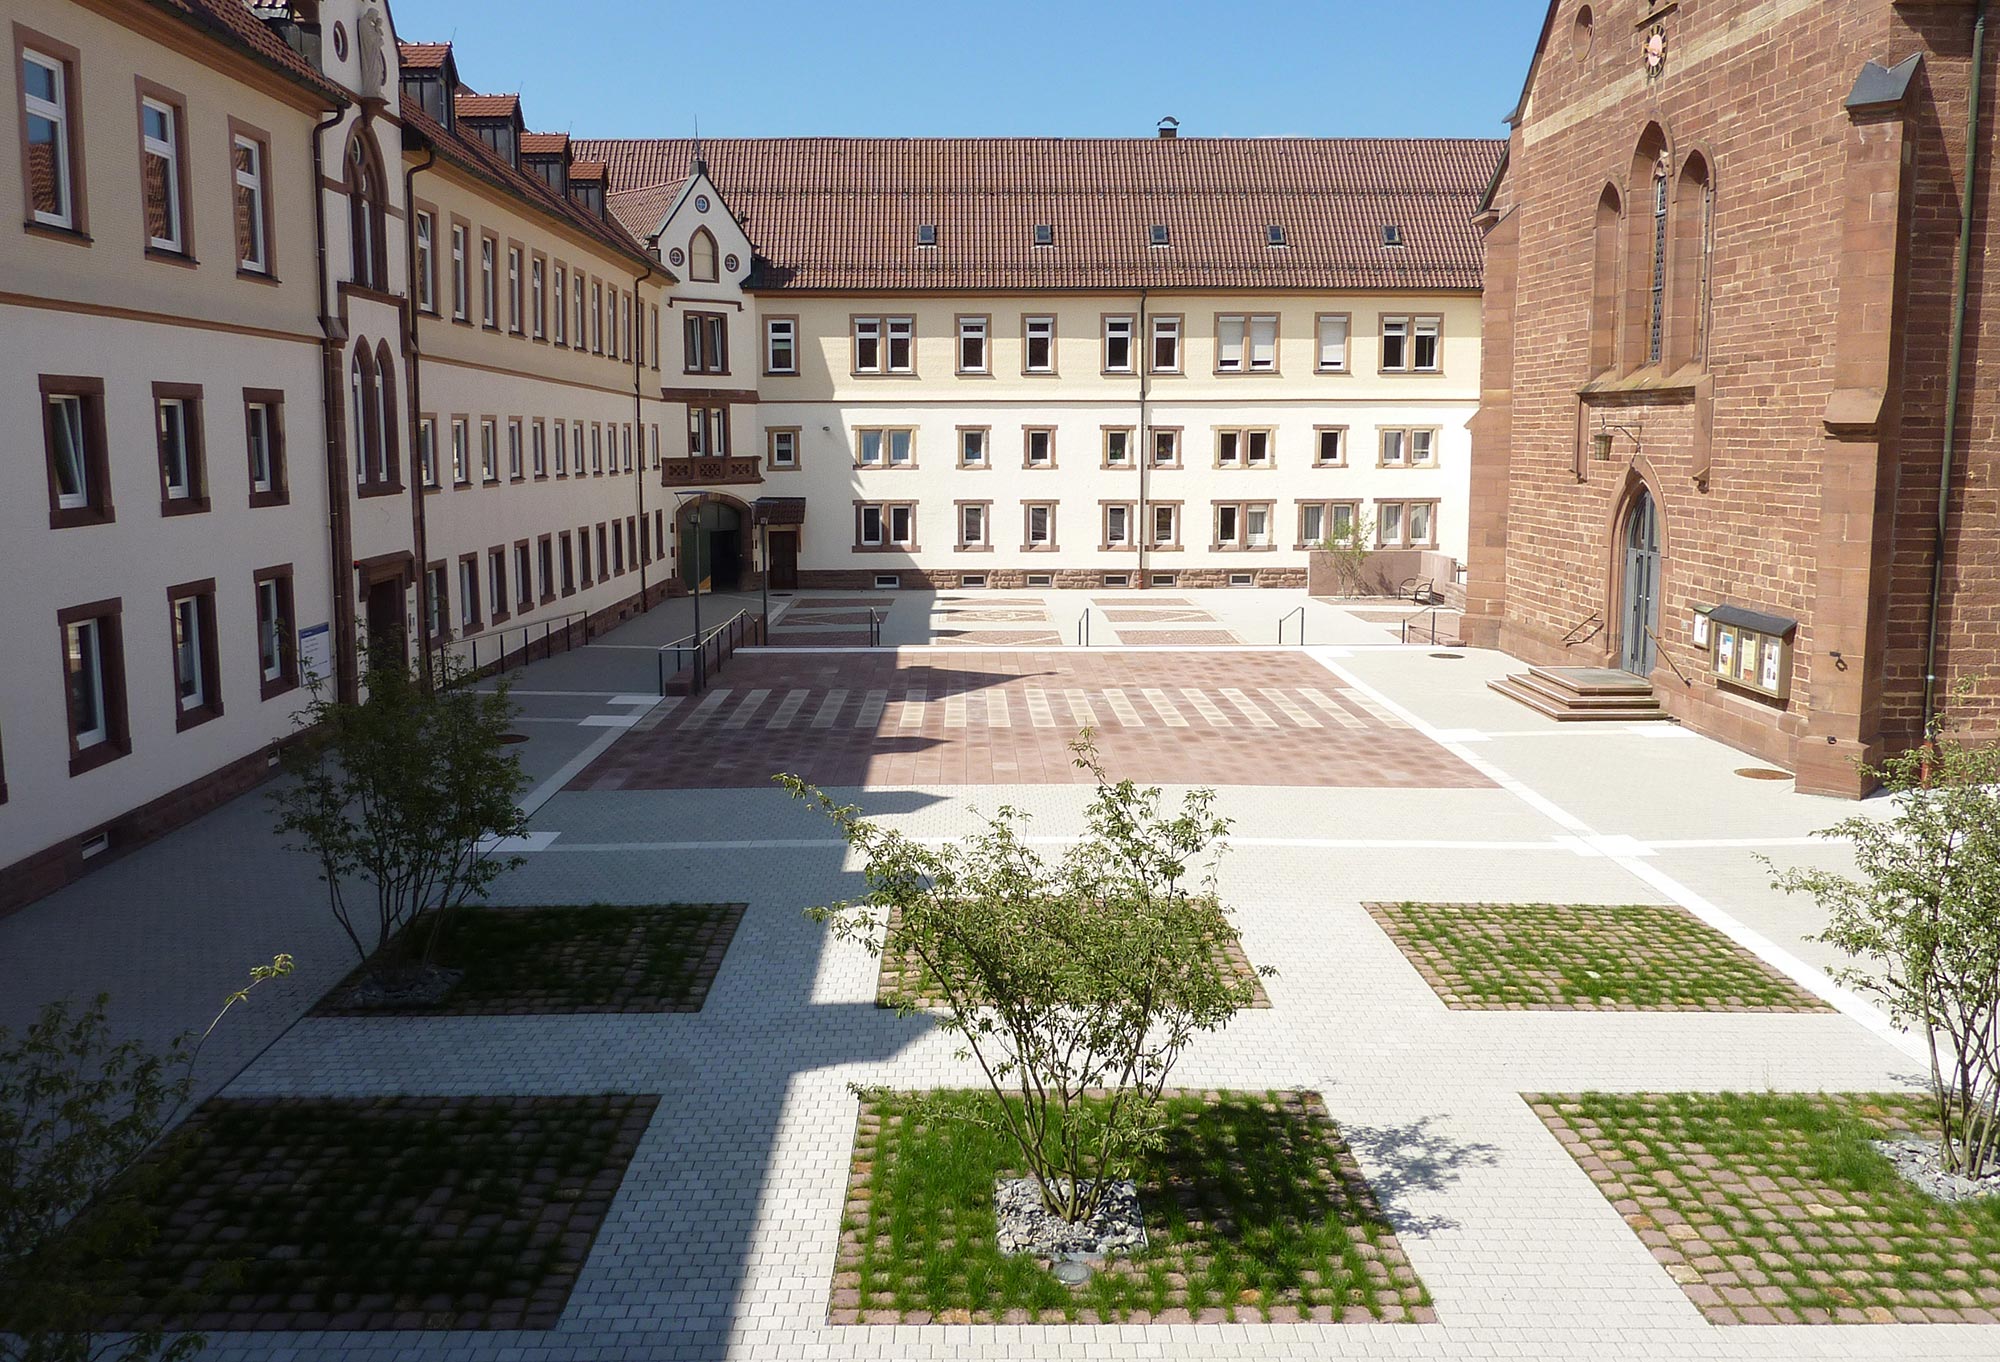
{"x": 200, "y": 15}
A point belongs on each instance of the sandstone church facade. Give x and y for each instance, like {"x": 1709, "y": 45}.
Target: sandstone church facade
{"x": 1716, "y": 444}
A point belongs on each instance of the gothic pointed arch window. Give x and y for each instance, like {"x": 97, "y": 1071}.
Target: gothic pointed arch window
{"x": 362, "y": 413}
{"x": 1645, "y": 290}
{"x": 388, "y": 466}
{"x": 1691, "y": 270}
{"x": 701, "y": 257}
{"x": 367, "y": 213}
{"x": 1604, "y": 281}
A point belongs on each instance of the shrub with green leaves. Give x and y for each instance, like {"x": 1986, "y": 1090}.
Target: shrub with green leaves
{"x": 1922, "y": 912}
{"x": 1081, "y": 977}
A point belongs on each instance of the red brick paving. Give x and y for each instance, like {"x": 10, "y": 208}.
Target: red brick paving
{"x": 1177, "y": 638}
{"x": 1007, "y": 717}
{"x": 819, "y": 638}
{"x": 1169, "y": 616}
{"x": 1000, "y": 638}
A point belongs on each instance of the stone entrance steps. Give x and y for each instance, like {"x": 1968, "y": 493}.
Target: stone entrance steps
{"x": 1583, "y": 694}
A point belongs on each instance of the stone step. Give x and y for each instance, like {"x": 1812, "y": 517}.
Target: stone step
{"x": 1555, "y": 693}
{"x": 1593, "y": 680}
{"x": 1551, "y": 701}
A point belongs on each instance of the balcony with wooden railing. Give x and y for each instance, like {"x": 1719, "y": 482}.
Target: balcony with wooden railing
{"x": 707, "y": 472}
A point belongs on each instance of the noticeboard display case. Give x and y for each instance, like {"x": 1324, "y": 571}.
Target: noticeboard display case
{"x": 1752, "y": 650}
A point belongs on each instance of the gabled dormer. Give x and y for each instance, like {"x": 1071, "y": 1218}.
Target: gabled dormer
{"x": 495, "y": 120}
{"x": 586, "y": 187}
{"x": 545, "y": 155}
{"x": 430, "y": 75}
{"x": 701, "y": 241}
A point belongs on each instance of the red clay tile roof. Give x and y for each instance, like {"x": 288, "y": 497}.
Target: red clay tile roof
{"x": 230, "y": 22}
{"x": 544, "y": 143}
{"x": 588, "y": 171}
{"x": 842, "y": 214}
{"x": 487, "y": 106}
{"x": 469, "y": 152}
{"x": 424, "y": 56}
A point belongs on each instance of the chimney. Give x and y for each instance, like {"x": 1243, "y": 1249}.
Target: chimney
{"x": 1169, "y": 127}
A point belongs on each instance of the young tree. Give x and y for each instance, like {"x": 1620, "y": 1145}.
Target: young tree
{"x": 77, "y": 1117}
{"x": 401, "y": 791}
{"x": 1923, "y": 913}
{"x": 1347, "y": 549}
{"x": 1075, "y": 984}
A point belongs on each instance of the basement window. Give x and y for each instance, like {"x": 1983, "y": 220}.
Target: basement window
{"x": 1161, "y": 579}
{"x": 972, "y": 580}
{"x": 1242, "y": 579}
{"x": 1041, "y": 579}
{"x": 887, "y": 581}
{"x": 1117, "y": 579}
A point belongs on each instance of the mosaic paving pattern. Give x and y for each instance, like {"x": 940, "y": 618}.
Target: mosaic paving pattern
{"x": 819, "y": 638}
{"x": 999, "y": 638}
{"x": 1234, "y": 1167}
{"x": 1583, "y": 957}
{"x": 570, "y": 960}
{"x": 393, "y": 1213}
{"x": 1140, "y": 615}
{"x": 1773, "y": 1209}
{"x": 949, "y": 717}
{"x": 1178, "y": 638}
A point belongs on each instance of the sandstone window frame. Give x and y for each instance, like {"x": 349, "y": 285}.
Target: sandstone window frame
{"x": 1330, "y": 519}
{"x": 461, "y": 271}
{"x": 1120, "y": 335}
{"x": 1117, "y": 528}
{"x": 538, "y": 295}
{"x": 1323, "y": 324}
{"x": 1230, "y": 526}
{"x": 71, "y": 219}
{"x": 168, "y": 143}
{"x": 781, "y": 448}
{"x": 559, "y": 295}
{"x": 424, "y": 265}
{"x": 93, "y": 662}
{"x": 182, "y": 447}
{"x": 1404, "y": 513}
{"x": 427, "y": 451}
{"x": 1118, "y": 440}
{"x": 264, "y": 427}
{"x": 1169, "y": 439}
{"x": 781, "y": 346}
{"x": 877, "y": 447}
{"x": 1040, "y": 439}
{"x": 1166, "y": 335}
{"x": 1254, "y": 334}
{"x": 974, "y": 333}
{"x": 878, "y": 523}
{"x": 1163, "y": 526}
{"x": 277, "y": 645}
{"x": 496, "y": 585}
{"x": 524, "y": 577}
{"x": 1038, "y": 345}
{"x": 1415, "y": 446}
{"x": 973, "y": 523}
{"x": 251, "y": 202}
{"x": 882, "y": 345}
{"x": 974, "y": 446}
{"x": 1336, "y": 436}
{"x": 195, "y": 656}
{"x": 437, "y": 602}
{"x": 489, "y": 281}
{"x": 74, "y": 439}
{"x": 1045, "y": 511}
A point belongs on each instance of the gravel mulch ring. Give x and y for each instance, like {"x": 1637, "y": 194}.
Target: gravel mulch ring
{"x": 1583, "y": 958}
{"x": 1254, "y": 1209}
{"x": 904, "y": 974}
{"x": 389, "y": 1213}
{"x": 564, "y": 960}
{"x": 1778, "y": 1209}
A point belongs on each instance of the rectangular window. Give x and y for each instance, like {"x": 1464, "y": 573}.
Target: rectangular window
{"x": 568, "y": 564}
{"x": 603, "y": 553}
{"x": 1330, "y": 447}
{"x": 1166, "y": 345}
{"x": 197, "y": 672}
{"x": 1409, "y": 448}
{"x": 1038, "y": 353}
{"x": 1246, "y": 344}
{"x": 781, "y": 345}
{"x": 871, "y": 526}
{"x": 1228, "y": 526}
{"x": 460, "y": 291}
{"x": 538, "y": 440}
{"x": 1117, "y": 345}
{"x": 707, "y": 343}
{"x": 576, "y": 445}
{"x": 562, "y": 450}
{"x": 489, "y": 298}
{"x": 972, "y": 525}
{"x": 1257, "y": 526}
{"x": 461, "y": 468}
{"x": 1395, "y": 448}
{"x": 626, "y": 439}
{"x": 426, "y": 270}
{"x": 437, "y": 602}
{"x": 784, "y": 448}
{"x": 253, "y": 226}
{"x": 1118, "y": 448}
{"x": 468, "y": 594}
{"x": 596, "y": 449}
{"x": 524, "y": 581}
{"x": 1166, "y": 524}
{"x": 902, "y": 520}
{"x": 867, "y": 345}
{"x": 545, "y": 547}
{"x": 1406, "y": 524}
{"x": 1332, "y": 357}
{"x": 177, "y": 426}
{"x": 1395, "y": 345}
{"x": 1257, "y": 449}
{"x": 427, "y": 462}
{"x": 1263, "y": 344}
{"x": 1322, "y": 522}
{"x": 972, "y": 345}
{"x": 1039, "y": 449}
{"x": 972, "y": 443}
{"x": 577, "y": 337}
{"x": 654, "y": 431}
{"x": 1228, "y": 344}
{"x": 73, "y": 441}
{"x": 496, "y": 582}
{"x": 596, "y": 317}
{"x": 1425, "y": 333}
{"x": 264, "y": 445}
{"x": 538, "y": 291}
{"x": 1117, "y": 526}
{"x": 901, "y": 355}
{"x": 162, "y": 175}
{"x": 277, "y": 649}
{"x": 1041, "y": 526}
{"x": 489, "y": 451}
{"x": 561, "y": 283}
{"x": 514, "y": 469}
{"x": 885, "y": 448}
{"x": 47, "y": 139}
{"x": 94, "y": 676}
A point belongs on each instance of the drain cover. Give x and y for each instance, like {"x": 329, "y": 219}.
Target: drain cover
{"x": 513, "y": 737}
{"x": 1763, "y": 773}
{"x": 1072, "y": 1274}
{"x": 1449, "y": 657}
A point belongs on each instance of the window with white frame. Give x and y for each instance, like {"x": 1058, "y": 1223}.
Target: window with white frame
{"x": 496, "y": 582}
{"x": 1257, "y": 527}
{"x": 259, "y": 440}
{"x": 1324, "y": 521}
{"x": 1117, "y": 447}
{"x": 1038, "y": 354}
{"x": 887, "y": 447}
{"x": 277, "y": 658}
{"x": 972, "y": 345}
{"x": 1166, "y": 448}
{"x": 1228, "y": 526}
{"x": 1166, "y": 524}
{"x": 427, "y": 430}
{"x": 460, "y": 290}
{"x": 253, "y": 230}
{"x": 538, "y": 442}
{"x": 559, "y": 295}
{"x": 87, "y": 646}
{"x": 1041, "y": 524}
{"x": 562, "y": 448}
{"x": 538, "y": 294}
{"x": 784, "y": 448}
{"x": 461, "y": 467}
{"x": 972, "y": 524}
{"x": 1411, "y": 344}
{"x": 161, "y": 170}
{"x": 781, "y": 345}
{"x": 972, "y": 446}
{"x": 1118, "y": 525}
{"x": 1040, "y": 447}
{"x": 1118, "y": 345}
{"x": 1329, "y": 446}
{"x": 596, "y": 317}
{"x": 70, "y": 456}
{"x": 576, "y": 338}
{"x": 426, "y": 262}
{"x": 514, "y": 309}
{"x": 1166, "y": 345}
{"x": 489, "y": 450}
{"x": 1246, "y": 343}
{"x": 489, "y": 298}
{"x": 468, "y": 594}
{"x": 1409, "y": 448}
{"x": 1406, "y": 524}
{"x": 46, "y": 135}
{"x": 437, "y": 602}
{"x": 705, "y": 337}
{"x": 524, "y": 581}
{"x": 1332, "y": 356}
{"x": 884, "y": 345}
{"x": 193, "y": 623}
{"x": 883, "y": 524}
{"x": 514, "y": 470}
{"x": 1243, "y": 449}
{"x": 597, "y": 448}
{"x": 180, "y": 459}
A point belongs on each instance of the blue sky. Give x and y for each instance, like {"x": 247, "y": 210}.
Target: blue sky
{"x": 1346, "y": 68}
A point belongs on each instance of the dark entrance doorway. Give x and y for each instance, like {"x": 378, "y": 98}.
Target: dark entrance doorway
{"x": 711, "y": 541}
{"x": 1641, "y": 612}
{"x": 784, "y": 550}
{"x": 386, "y": 631}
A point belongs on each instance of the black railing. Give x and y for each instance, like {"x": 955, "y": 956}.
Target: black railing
{"x": 700, "y": 656}
{"x": 1433, "y": 628}
{"x": 1282, "y": 619}
{"x": 524, "y": 643}
{"x": 1584, "y": 629}
{"x": 874, "y": 628}
{"x": 1083, "y": 630}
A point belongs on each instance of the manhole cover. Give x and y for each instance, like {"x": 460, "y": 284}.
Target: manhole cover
{"x": 1763, "y": 773}
{"x": 1071, "y": 1274}
{"x": 513, "y": 737}
{"x": 1449, "y": 657}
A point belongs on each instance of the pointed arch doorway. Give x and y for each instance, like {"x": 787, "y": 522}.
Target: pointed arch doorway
{"x": 1640, "y": 609}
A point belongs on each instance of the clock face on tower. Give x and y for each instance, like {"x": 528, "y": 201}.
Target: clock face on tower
{"x": 1656, "y": 51}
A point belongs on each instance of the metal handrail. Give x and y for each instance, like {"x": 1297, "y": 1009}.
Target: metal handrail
{"x": 694, "y": 650}
{"x": 874, "y": 628}
{"x": 1661, "y": 649}
{"x": 1434, "y": 627}
{"x": 1301, "y": 613}
{"x": 566, "y": 624}
{"x": 1083, "y": 628}
{"x": 1583, "y": 629}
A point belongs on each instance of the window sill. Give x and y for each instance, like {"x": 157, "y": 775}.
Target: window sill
{"x": 270, "y": 688}
{"x": 973, "y": 548}
{"x": 69, "y": 518}
{"x": 256, "y": 276}
{"x": 184, "y": 506}
{"x": 259, "y": 500}
{"x": 378, "y": 489}
{"x": 196, "y": 717}
{"x": 171, "y": 257}
{"x": 90, "y": 758}
{"x": 54, "y": 233}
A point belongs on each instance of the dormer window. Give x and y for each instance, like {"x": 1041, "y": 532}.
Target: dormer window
{"x": 1274, "y": 235}
{"x": 1392, "y": 236}
{"x": 1045, "y": 234}
{"x": 701, "y": 257}
{"x": 1156, "y": 235}
{"x": 927, "y": 234}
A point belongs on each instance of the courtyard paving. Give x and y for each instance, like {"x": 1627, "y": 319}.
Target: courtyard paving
{"x": 722, "y": 1239}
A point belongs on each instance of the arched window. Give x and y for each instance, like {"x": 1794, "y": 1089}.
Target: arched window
{"x": 388, "y": 466}
{"x": 366, "y": 214}
{"x": 1692, "y": 251}
{"x": 1644, "y": 311}
{"x": 701, "y": 257}
{"x": 1604, "y": 282}
{"x": 361, "y": 412}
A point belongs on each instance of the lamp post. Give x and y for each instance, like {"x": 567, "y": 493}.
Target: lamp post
{"x": 695, "y": 495}
{"x": 764, "y": 577}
